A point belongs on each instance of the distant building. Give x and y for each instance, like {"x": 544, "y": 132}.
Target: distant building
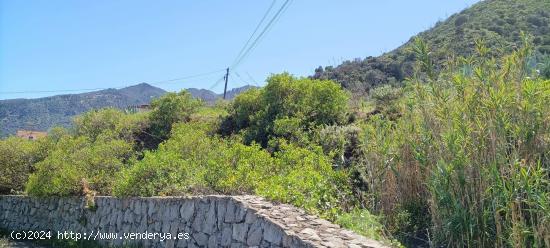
{"x": 30, "y": 135}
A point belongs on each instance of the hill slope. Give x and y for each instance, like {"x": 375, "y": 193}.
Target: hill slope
{"x": 210, "y": 97}
{"x": 44, "y": 113}
{"x": 498, "y": 22}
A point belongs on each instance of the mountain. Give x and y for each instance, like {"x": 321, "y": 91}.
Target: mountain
{"x": 498, "y": 22}
{"x": 43, "y": 113}
{"x": 210, "y": 97}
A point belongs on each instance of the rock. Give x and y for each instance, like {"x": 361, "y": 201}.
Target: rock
{"x": 213, "y": 221}
{"x": 273, "y": 234}
{"x": 201, "y": 239}
{"x": 240, "y": 231}
{"x": 213, "y": 241}
{"x": 254, "y": 236}
{"x": 187, "y": 210}
{"x": 226, "y": 236}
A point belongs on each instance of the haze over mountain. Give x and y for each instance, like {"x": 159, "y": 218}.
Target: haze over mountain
{"x": 498, "y": 23}
{"x": 43, "y": 113}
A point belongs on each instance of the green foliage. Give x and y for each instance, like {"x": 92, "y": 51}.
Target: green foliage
{"x": 191, "y": 161}
{"x": 17, "y": 159}
{"x": 286, "y": 102}
{"x": 342, "y": 143}
{"x": 169, "y": 109}
{"x": 499, "y": 23}
{"x": 121, "y": 125}
{"x": 75, "y": 162}
{"x": 387, "y": 99}
{"x": 306, "y": 179}
{"x": 544, "y": 67}
{"x": 44, "y": 113}
{"x": 362, "y": 222}
{"x": 472, "y": 150}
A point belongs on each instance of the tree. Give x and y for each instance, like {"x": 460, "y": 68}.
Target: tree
{"x": 169, "y": 109}
{"x": 305, "y": 103}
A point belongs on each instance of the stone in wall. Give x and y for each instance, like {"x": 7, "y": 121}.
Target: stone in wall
{"x": 208, "y": 221}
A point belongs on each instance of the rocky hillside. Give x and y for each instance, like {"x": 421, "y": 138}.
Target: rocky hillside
{"x": 498, "y": 22}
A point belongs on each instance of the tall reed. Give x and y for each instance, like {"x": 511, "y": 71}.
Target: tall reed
{"x": 468, "y": 162}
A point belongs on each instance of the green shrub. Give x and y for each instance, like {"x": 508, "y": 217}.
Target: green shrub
{"x": 76, "y": 163}
{"x": 342, "y": 143}
{"x": 387, "y": 100}
{"x": 305, "y": 178}
{"x": 192, "y": 161}
{"x": 363, "y": 222}
{"x": 17, "y": 159}
{"x": 169, "y": 109}
{"x": 289, "y": 102}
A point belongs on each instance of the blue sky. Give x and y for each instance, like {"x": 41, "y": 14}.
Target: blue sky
{"x": 70, "y": 45}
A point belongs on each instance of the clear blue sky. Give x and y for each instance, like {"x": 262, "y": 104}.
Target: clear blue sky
{"x": 66, "y": 45}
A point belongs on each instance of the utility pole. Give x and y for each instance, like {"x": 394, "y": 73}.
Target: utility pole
{"x": 225, "y": 77}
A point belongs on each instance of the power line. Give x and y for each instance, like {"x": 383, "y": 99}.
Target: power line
{"x": 216, "y": 83}
{"x": 244, "y": 52}
{"x": 94, "y": 89}
{"x": 265, "y": 29}
{"x": 242, "y": 79}
{"x": 252, "y": 79}
{"x": 256, "y": 29}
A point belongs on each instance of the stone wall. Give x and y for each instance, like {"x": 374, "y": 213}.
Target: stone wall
{"x": 200, "y": 221}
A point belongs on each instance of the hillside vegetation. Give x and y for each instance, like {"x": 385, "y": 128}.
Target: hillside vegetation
{"x": 498, "y": 22}
{"x": 41, "y": 114}
{"x": 457, "y": 155}
{"x": 458, "y": 158}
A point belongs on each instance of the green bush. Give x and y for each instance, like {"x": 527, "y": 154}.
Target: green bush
{"x": 191, "y": 161}
{"x": 169, "y": 109}
{"x": 76, "y": 163}
{"x": 117, "y": 123}
{"x": 305, "y": 178}
{"x": 342, "y": 143}
{"x": 17, "y": 159}
{"x": 362, "y": 222}
{"x": 387, "y": 100}
{"x": 289, "y": 102}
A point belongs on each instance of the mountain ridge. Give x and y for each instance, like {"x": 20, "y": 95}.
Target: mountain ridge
{"x": 40, "y": 114}
{"x": 498, "y": 22}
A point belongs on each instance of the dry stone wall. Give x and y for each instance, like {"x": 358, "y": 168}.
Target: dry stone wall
{"x": 199, "y": 221}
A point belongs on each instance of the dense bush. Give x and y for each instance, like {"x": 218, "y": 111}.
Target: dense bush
{"x": 299, "y": 102}
{"x": 387, "y": 99}
{"x": 77, "y": 164}
{"x": 17, "y": 159}
{"x": 169, "y": 109}
{"x": 191, "y": 161}
{"x": 342, "y": 143}
{"x": 470, "y": 154}
{"x": 121, "y": 125}
{"x": 305, "y": 178}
